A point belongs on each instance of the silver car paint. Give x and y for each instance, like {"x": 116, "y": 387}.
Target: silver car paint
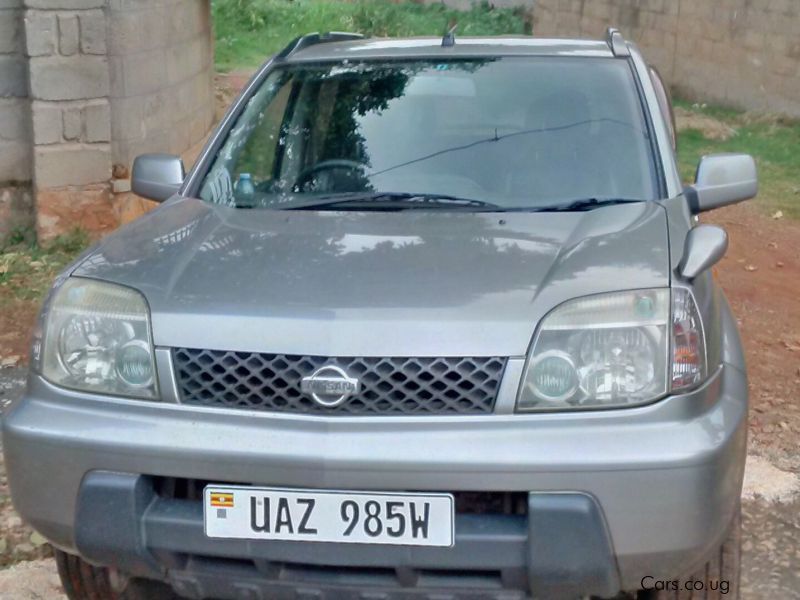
{"x": 667, "y": 475}
{"x": 371, "y": 48}
{"x": 705, "y": 246}
{"x": 658, "y": 120}
{"x": 157, "y": 176}
{"x": 372, "y": 283}
{"x": 646, "y": 465}
{"x": 724, "y": 179}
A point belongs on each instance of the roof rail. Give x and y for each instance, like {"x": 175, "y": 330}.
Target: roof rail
{"x": 312, "y": 39}
{"x": 616, "y": 42}
{"x": 449, "y": 38}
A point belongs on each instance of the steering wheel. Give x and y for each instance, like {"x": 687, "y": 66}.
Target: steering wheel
{"x": 326, "y": 165}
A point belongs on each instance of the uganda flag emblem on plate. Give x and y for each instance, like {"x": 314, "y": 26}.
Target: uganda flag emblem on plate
{"x": 221, "y": 500}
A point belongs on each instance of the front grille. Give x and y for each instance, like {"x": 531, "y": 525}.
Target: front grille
{"x": 389, "y": 386}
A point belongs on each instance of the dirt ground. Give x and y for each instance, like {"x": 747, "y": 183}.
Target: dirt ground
{"x": 761, "y": 278}
{"x": 712, "y": 128}
{"x": 15, "y": 323}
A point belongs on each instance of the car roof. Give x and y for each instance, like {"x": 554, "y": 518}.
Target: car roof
{"x": 431, "y": 47}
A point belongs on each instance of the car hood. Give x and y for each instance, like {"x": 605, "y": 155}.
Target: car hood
{"x": 410, "y": 283}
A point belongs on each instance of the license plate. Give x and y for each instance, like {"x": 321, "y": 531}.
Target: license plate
{"x": 326, "y": 516}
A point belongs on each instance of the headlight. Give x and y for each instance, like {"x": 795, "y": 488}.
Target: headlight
{"x": 614, "y": 350}
{"x": 97, "y": 339}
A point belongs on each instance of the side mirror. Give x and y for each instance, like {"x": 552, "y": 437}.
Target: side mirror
{"x": 705, "y": 245}
{"x": 722, "y": 179}
{"x": 157, "y": 176}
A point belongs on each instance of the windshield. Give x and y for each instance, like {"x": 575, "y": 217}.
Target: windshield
{"x": 512, "y": 133}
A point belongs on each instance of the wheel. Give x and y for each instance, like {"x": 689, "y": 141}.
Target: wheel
{"x": 720, "y": 577}
{"x": 83, "y": 581}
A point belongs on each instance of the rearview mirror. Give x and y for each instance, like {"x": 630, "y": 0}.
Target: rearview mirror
{"x": 157, "y": 176}
{"x": 722, "y": 179}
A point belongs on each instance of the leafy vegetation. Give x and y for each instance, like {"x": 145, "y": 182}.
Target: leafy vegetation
{"x": 247, "y": 31}
{"x": 773, "y": 141}
{"x": 27, "y": 269}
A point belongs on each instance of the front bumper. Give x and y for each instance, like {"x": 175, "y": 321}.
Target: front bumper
{"x": 561, "y": 541}
{"x": 662, "y": 481}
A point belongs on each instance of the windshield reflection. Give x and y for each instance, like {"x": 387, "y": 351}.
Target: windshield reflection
{"x": 517, "y": 132}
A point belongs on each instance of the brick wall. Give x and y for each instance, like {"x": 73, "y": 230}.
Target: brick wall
{"x": 741, "y": 53}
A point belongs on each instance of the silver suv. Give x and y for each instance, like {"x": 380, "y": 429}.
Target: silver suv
{"x": 428, "y": 318}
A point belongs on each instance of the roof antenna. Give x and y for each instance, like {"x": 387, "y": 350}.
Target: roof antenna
{"x": 449, "y": 38}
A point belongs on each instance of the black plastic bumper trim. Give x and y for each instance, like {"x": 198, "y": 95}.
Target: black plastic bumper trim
{"x": 560, "y": 550}
{"x": 569, "y": 546}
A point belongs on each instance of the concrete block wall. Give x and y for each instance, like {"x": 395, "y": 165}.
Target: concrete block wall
{"x": 741, "y": 53}
{"x": 162, "y": 94}
{"x": 467, "y": 4}
{"x": 751, "y": 59}
{"x": 85, "y": 86}
{"x": 14, "y": 115}
{"x": 14, "y": 111}
{"x": 70, "y": 114}
{"x": 16, "y": 204}
{"x": 161, "y": 58}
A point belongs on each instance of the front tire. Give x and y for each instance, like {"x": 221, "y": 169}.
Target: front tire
{"x": 83, "y": 581}
{"x": 725, "y": 566}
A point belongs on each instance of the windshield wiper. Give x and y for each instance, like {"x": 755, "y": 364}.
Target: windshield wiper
{"x": 394, "y": 201}
{"x": 585, "y": 204}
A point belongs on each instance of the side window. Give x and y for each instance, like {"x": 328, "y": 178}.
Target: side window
{"x": 665, "y": 104}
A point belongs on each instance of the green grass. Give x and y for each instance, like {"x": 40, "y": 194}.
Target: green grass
{"x": 774, "y": 142}
{"x": 248, "y": 31}
{"x": 27, "y": 268}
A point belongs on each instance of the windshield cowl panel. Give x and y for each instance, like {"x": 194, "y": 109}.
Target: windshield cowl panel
{"x": 510, "y": 133}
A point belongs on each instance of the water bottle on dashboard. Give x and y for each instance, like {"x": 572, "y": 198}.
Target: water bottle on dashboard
{"x": 245, "y": 191}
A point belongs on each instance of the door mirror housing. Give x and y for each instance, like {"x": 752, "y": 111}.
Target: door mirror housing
{"x": 704, "y": 247}
{"x": 722, "y": 179}
{"x": 157, "y": 176}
